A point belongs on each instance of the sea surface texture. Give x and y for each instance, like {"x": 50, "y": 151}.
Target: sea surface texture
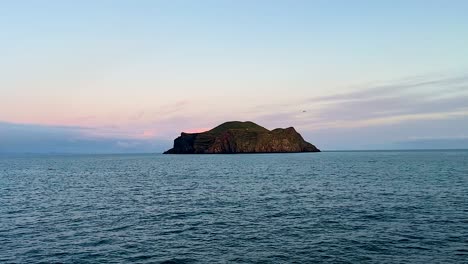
{"x": 330, "y": 207}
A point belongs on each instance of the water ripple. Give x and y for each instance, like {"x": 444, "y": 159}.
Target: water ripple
{"x": 348, "y": 207}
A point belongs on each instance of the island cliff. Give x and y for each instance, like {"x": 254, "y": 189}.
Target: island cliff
{"x": 241, "y": 137}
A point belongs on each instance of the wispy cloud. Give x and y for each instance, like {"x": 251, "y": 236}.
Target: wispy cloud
{"x": 423, "y": 106}
{"x": 417, "y": 85}
{"x": 421, "y": 98}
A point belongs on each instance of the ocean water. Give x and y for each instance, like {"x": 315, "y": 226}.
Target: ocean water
{"x": 330, "y": 207}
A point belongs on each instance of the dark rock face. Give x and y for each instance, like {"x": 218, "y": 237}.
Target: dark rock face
{"x": 241, "y": 137}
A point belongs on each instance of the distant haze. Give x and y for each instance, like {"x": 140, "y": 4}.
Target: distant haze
{"x": 129, "y": 76}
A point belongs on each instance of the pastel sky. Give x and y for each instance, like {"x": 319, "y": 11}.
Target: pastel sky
{"x": 129, "y": 76}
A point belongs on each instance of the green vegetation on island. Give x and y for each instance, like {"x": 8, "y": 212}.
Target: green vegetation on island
{"x": 241, "y": 137}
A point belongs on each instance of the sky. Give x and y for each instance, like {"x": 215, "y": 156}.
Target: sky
{"x": 129, "y": 76}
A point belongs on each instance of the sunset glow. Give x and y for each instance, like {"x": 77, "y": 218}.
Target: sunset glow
{"x": 156, "y": 70}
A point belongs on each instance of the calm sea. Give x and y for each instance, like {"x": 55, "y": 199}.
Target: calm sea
{"x": 333, "y": 207}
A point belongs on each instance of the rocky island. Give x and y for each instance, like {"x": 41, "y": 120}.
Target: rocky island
{"x": 241, "y": 137}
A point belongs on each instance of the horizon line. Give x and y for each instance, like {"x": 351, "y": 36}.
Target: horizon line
{"x": 161, "y": 153}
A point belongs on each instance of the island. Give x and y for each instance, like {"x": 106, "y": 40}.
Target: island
{"x": 241, "y": 137}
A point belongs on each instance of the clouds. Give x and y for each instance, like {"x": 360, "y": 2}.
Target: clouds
{"x": 421, "y": 84}
{"x": 382, "y": 115}
{"x": 403, "y": 135}
{"x": 415, "y": 100}
{"x": 144, "y": 72}
{"x": 435, "y": 143}
{"x": 422, "y": 98}
{"x": 28, "y": 138}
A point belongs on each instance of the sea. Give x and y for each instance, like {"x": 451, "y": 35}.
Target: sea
{"x": 329, "y": 207}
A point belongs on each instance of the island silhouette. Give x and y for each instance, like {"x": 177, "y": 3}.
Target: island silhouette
{"x": 241, "y": 137}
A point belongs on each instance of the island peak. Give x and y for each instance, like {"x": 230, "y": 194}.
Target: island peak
{"x": 241, "y": 137}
